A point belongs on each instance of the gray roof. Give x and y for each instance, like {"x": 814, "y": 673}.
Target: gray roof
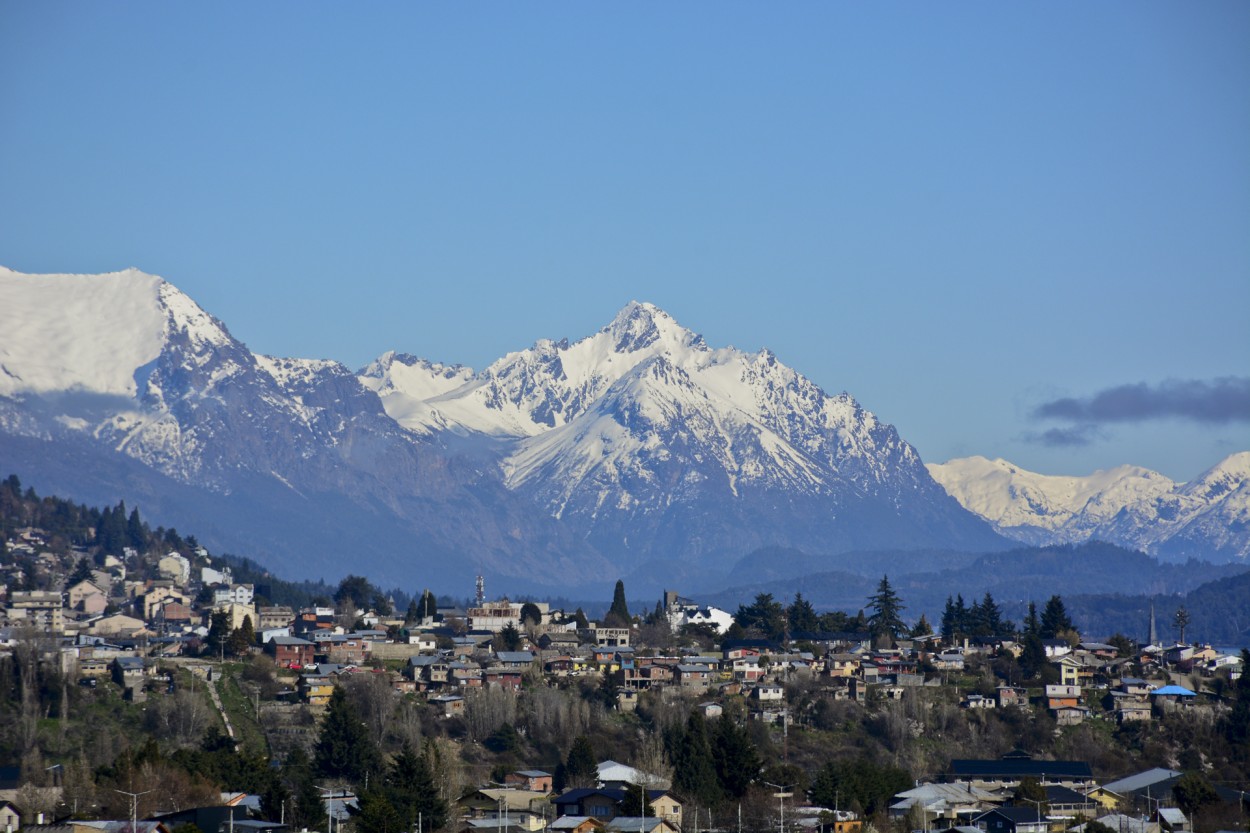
{"x": 1142, "y": 780}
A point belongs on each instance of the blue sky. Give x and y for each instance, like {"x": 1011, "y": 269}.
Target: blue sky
{"x": 960, "y": 213}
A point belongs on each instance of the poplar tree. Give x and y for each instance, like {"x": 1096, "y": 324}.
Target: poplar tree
{"x": 618, "y": 614}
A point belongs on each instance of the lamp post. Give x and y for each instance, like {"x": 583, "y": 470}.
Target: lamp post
{"x": 134, "y": 806}
{"x": 782, "y": 795}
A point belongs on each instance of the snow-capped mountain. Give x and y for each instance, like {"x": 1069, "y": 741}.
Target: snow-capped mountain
{"x": 290, "y": 460}
{"x": 653, "y": 445}
{"x": 1130, "y": 506}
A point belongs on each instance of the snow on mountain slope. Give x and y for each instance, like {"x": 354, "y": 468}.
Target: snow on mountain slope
{"x": 1010, "y": 497}
{"x": 1128, "y": 505}
{"x": 641, "y": 430}
{"x": 531, "y": 391}
{"x": 173, "y": 392}
{"x": 56, "y": 340}
{"x": 405, "y": 383}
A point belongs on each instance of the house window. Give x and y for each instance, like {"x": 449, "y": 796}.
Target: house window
{"x": 600, "y": 810}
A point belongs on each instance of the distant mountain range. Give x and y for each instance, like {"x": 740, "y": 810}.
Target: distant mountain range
{"x": 563, "y": 465}
{"x": 636, "y": 451}
{"x": 1208, "y": 517}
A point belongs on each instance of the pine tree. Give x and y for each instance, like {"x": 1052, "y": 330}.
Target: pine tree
{"x": 412, "y": 791}
{"x": 412, "y": 614}
{"x": 344, "y": 748}
{"x": 307, "y": 807}
{"x": 579, "y": 620}
{"x": 581, "y": 769}
{"x": 508, "y": 639}
{"x": 922, "y": 628}
{"x": 1031, "y": 625}
{"x": 635, "y": 802}
{"x": 991, "y": 616}
{"x": 374, "y": 813}
{"x": 802, "y": 616}
{"x": 887, "y": 607}
{"x": 1054, "y": 618}
{"x": 765, "y": 615}
{"x": 948, "y": 620}
{"x": 736, "y": 759}
{"x": 694, "y": 772}
{"x": 82, "y": 572}
{"x": 242, "y": 638}
{"x": 136, "y": 532}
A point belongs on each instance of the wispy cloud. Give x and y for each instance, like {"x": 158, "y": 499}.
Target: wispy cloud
{"x": 1070, "y": 437}
{"x": 1218, "y": 401}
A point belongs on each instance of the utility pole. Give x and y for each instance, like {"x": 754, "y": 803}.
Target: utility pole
{"x": 134, "y": 807}
{"x": 329, "y": 808}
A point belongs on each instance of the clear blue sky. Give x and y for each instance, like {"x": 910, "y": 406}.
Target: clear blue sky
{"x": 956, "y": 212}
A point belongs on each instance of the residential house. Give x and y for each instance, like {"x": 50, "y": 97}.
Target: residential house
{"x": 156, "y": 594}
{"x": 576, "y": 824}
{"x": 517, "y": 809}
{"x": 1146, "y": 787}
{"x": 937, "y": 804}
{"x": 449, "y": 704}
{"x": 10, "y": 816}
{"x": 647, "y": 824}
{"x": 609, "y": 637}
{"x": 1173, "y": 820}
{"x": 1056, "y": 648}
{"x": 290, "y": 651}
{"x": 1067, "y": 803}
{"x": 1069, "y": 670}
{"x": 274, "y": 616}
{"x": 1010, "y": 696}
{"x": 1062, "y": 696}
{"x": 175, "y": 567}
{"x": 240, "y": 594}
{"x": 39, "y": 609}
{"x": 1008, "y": 770}
{"x": 1172, "y": 696}
{"x": 315, "y": 689}
{"x": 236, "y": 613}
{"x": 693, "y": 676}
{"x": 529, "y": 779}
{"x": 80, "y": 593}
{"x": 1012, "y": 820}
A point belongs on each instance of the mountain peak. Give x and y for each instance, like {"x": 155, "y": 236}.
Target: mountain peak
{"x": 640, "y": 324}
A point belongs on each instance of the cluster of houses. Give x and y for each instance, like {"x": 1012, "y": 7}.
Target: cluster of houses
{"x": 976, "y": 796}
{"x": 111, "y": 626}
{"x": 108, "y": 617}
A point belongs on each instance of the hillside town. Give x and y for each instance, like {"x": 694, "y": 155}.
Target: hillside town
{"x": 157, "y": 630}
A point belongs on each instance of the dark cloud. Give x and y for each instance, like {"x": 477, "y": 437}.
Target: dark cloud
{"x": 1218, "y": 401}
{"x": 1074, "y": 436}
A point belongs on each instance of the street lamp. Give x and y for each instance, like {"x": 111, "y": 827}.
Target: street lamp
{"x": 782, "y": 795}
{"x": 134, "y": 806}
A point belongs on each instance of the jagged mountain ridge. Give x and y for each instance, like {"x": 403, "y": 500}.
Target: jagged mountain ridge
{"x": 650, "y": 443}
{"x": 176, "y": 393}
{"x": 1128, "y": 506}
{"x": 565, "y": 462}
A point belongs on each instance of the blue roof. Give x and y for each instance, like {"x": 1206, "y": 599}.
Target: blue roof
{"x": 1173, "y": 690}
